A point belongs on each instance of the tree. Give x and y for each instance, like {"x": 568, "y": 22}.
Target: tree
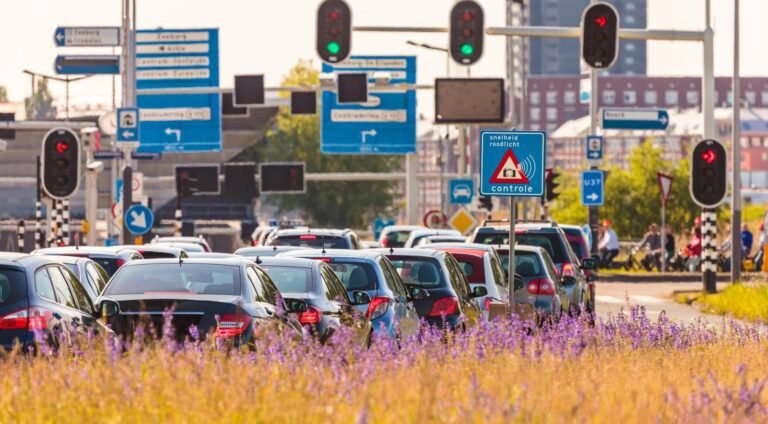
{"x": 567, "y": 208}
{"x": 40, "y": 105}
{"x": 3, "y": 94}
{"x": 336, "y": 204}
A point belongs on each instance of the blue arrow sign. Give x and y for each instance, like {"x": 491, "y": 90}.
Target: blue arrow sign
{"x": 386, "y": 124}
{"x": 635, "y": 119}
{"x": 170, "y": 58}
{"x": 512, "y": 163}
{"x": 461, "y": 191}
{"x": 128, "y": 125}
{"x": 594, "y": 147}
{"x": 87, "y": 36}
{"x": 592, "y": 188}
{"x": 379, "y": 224}
{"x": 107, "y": 154}
{"x": 139, "y": 219}
{"x": 87, "y": 65}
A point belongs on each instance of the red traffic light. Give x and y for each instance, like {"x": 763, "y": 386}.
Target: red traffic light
{"x": 709, "y": 156}
{"x": 601, "y": 21}
{"x": 467, "y": 16}
{"x": 334, "y": 15}
{"x": 62, "y": 146}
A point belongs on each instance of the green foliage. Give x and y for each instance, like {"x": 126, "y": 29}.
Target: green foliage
{"x": 739, "y": 300}
{"x": 567, "y": 208}
{"x": 335, "y": 204}
{"x": 40, "y": 105}
{"x": 3, "y": 94}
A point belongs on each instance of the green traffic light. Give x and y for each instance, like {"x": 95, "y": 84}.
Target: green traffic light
{"x": 333, "y": 47}
{"x": 467, "y": 49}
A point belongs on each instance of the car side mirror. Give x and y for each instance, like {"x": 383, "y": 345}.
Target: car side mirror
{"x": 568, "y": 280}
{"x": 360, "y": 298}
{"x": 109, "y": 308}
{"x": 417, "y": 293}
{"x": 295, "y": 306}
{"x": 479, "y": 291}
{"x": 589, "y": 264}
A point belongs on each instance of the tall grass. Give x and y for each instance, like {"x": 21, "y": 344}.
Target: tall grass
{"x": 624, "y": 369}
{"x": 744, "y": 301}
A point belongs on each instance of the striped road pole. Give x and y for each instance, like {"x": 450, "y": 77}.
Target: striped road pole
{"x": 65, "y": 221}
{"x": 709, "y": 249}
{"x": 20, "y": 236}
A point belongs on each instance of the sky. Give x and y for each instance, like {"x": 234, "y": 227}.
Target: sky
{"x": 259, "y": 36}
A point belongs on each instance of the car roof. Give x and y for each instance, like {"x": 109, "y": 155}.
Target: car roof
{"x": 179, "y": 238}
{"x": 522, "y": 248}
{"x": 459, "y": 245}
{"x": 321, "y": 231}
{"x": 334, "y": 253}
{"x": 434, "y": 232}
{"x": 185, "y": 246}
{"x": 288, "y": 262}
{"x": 234, "y": 260}
{"x": 463, "y": 251}
{"x": 392, "y": 228}
{"x": 85, "y": 250}
{"x": 212, "y": 255}
{"x": 68, "y": 259}
{"x": 416, "y": 252}
{"x": 25, "y": 259}
{"x": 158, "y": 247}
{"x": 254, "y": 251}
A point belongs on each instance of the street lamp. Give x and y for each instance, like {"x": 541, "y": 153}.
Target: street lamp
{"x": 66, "y": 80}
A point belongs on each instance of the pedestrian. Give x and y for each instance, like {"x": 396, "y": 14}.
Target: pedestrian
{"x": 609, "y": 244}
{"x": 746, "y": 240}
{"x": 693, "y": 250}
{"x": 651, "y": 239}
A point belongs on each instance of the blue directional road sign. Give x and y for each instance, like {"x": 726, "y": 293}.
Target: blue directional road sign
{"x": 594, "y": 147}
{"x": 592, "y": 188}
{"x": 386, "y": 124}
{"x": 379, "y": 224}
{"x": 128, "y": 125}
{"x": 635, "y": 119}
{"x": 87, "y": 36}
{"x": 461, "y": 191}
{"x": 512, "y": 163}
{"x": 139, "y": 219}
{"x": 177, "y": 59}
{"x": 87, "y": 65}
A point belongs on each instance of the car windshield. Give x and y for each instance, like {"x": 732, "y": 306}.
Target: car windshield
{"x": 163, "y": 278}
{"x": 312, "y": 241}
{"x": 527, "y": 264}
{"x": 398, "y": 238}
{"x": 418, "y": 271}
{"x": 355, "y": 275}
{"x": 290, "y": 279}
{"x": 13, "y": 286}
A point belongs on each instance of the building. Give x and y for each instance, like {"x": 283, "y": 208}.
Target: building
{"x": 561, "y": 56}
{"x": 554, "y": 100}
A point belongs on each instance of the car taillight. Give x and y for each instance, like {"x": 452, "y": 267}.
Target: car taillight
{"x": 378, "y": 307}
{"x": 444, "y": 306}
{"x": 311, "y": 316}
{"x": 384, "y": 241}
{"x": 26, "y": 319}
{"x": 231, "y": 325}
{"x": 120, "y": 263}
{"x": 541, "y": 286}
{"x": 487, "y": 303}
{"x": 567, "y": 271}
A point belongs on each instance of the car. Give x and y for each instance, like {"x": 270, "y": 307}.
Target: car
{"x": 264, "y": 251}
{"x": 329, "y": 307}
{"x": 397, "y": 235}
{"x": 40, "y": 295}
{"x": 450, "y": 300}
{"x": 391, "y": 309}
{"x": 315, "y": 238}
{"x": 199, "y": 240}
{"x": 491, "y": 250}
{"x": 484, "y": 269}
{"x": 260, "y": 234}
{"x": 156, "y": 251}
{"x": 440, "y": 239}
{"x": 417, "y": 235}
{"x": 186, "y": 247}
{"x": 578, "y": 241}
{"x": 110, "y": 258}
{"x": 462, "y": 190}
{"x": 230, "y": 299}
{"x": 550, "y": 236}
{"x": 91, "y": 275}
{"x": 212, "y": 255}
{"x": 369, "y": 244}
{"x": 541, "y": 284}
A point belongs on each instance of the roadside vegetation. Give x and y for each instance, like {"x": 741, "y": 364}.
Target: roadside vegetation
{"x": 742, "y": 301}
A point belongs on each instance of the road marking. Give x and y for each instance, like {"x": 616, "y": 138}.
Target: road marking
{"x": 632, "y": 299}
{"x": 609, "y": 299}
{"x": 646, "y": 299}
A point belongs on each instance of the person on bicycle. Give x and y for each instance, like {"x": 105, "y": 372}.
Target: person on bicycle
{"x": 651, "y": 239}
{"x": 693, "y": 250}
{"x": 609, "y": 244}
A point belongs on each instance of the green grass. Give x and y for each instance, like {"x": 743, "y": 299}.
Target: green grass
{"x": 743, "y": 301}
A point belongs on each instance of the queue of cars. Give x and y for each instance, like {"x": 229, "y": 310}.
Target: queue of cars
{"x": 300, "y": 282}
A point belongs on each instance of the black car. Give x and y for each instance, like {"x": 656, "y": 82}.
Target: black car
{"x": 40, "y": 295}
{"x": 229, "y": 298}
{"x": 315, "y": 238}
{"x": 90, "y": 274}
{"x": 328, "y": 305}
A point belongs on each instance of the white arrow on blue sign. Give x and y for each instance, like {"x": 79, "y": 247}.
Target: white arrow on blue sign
{"x": 594, "y": 147}
{"x": 128, "y": 125}
{"x": 87, "y": 36}
{"x": 592, "y": 188}
{"x": 139, "y": 219}
{"x": 635, "y": 119}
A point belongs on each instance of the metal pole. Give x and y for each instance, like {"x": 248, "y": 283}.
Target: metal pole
{"x": 708, "y": 79}
{"x": 736, "y": 244}
{"x": 127, "y": 201}
{"x": 511, "y": 65}
{"x": 709, "y": 249}
{"x": 663, "y": 236}
{"x": 38, "y": 210}
{"x": 594, "y": 216}
{"x": 511, "y": 266}
{"x": 412, "y": 188}
{"x": 441, "y": 164}
{"x": 66, "y": 96}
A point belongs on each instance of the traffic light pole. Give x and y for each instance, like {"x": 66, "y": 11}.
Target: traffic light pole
{"x": 709, "y": 249}
{"x": 736, "y": 244}
{"x": 594, "y": 213}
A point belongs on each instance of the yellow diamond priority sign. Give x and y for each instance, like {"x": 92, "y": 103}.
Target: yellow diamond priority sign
{"x": 462, "y": 221}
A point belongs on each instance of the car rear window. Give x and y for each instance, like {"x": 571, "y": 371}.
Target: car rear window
{"x": 289, "y": 279}
{"x": 398, "y": 238}
{"x": 472, "y": 266}
{"x": 576, "y": 246}
{"x": 13, "y": 286}
{"x": 527, "y": 264}
{"x": 355, "y": 275}
{"x": 148, "y": 254}
{"x": 312, "y": 241}
{"x": 149, "y": 278}
{"x": 109, "y": 265}
{"x": 417, "y": 271}
{"x": 549, "y": 241}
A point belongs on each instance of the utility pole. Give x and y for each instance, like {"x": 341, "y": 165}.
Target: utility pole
{"x": 736, "y": 244}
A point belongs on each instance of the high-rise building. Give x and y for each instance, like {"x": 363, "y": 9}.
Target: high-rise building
{"x": 561, "y": 56}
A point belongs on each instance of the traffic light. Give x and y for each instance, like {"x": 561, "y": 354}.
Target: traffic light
{"x": 191, "y": 179}
{"x": 600, "y": 35}
{"x": 466, "y": 43}
{"x": 286, "y": 177}
{"x": 485, "y": 202}
{"x": 334, "y": 30}
{"x": 551, "y": 194}
{"x": 708, "y": 173}
{"x": 60, "y": 156}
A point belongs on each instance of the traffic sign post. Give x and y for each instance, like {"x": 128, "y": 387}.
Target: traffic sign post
{"x": 665, "y": 184}
{"x": 461, "y": 191}
{"x": 128, "y": 125}
{"x": 379, "y": 224}
{"x": 385, "y": 124}
{"x": 592, "y": 188}
{"x": 177, "y": 59}
{"x": 139, "y": 219}
{"x": 87, "y": 65}
{"x": 512, "y": 164}
{"x": 635, "y": 119}
{"x": 594, "y": 147}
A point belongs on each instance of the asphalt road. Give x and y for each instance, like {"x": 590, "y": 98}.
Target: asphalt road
{"x": 655, "y": 297}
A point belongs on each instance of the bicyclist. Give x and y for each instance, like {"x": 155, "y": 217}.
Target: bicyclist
{"x": 609, "y": 244}
{"x": 651, "y": 239}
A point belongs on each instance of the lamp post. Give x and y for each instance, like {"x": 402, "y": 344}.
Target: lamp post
{"x": 66, "y": 80}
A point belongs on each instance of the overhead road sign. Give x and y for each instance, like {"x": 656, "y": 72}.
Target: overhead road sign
{"x": 87, "y": 65}
{"x": 178, "y": 59}
{"x": 635, "y": 119}
{"x": 139, "y": 219}
{"x": 469, "y": 100}
{"x": 592, "y": 188}
{"x": 87, "y": 36}
{"x": 385, "y": 124}
{"x": 594, "y": 147}
{"x": 461, "y": 191}
{"x": 128, "y": 125}
{"x": 512, "y": 163}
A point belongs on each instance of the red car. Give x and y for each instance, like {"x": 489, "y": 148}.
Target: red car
{"x": 578, "y": 242}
